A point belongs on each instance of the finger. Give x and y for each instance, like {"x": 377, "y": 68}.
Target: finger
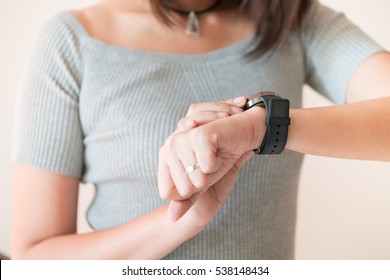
{"x": 185, "y": 124}
{"x": 177, "y": 208}
{"x": 243, "y": 159}
{"x": 199, "y": 180}
{"x": 181, "y": 180}
{"x": 237, "y": 101}
{"x": 200, "y": 118}
{"x": 206, "y": 148}
{"x": 166, "y": 186}
{"x": 173, "y": 182}
{"x": 179, "y": 188}
{"x": 230, "y": 109}
{"x": 182, "y": 166}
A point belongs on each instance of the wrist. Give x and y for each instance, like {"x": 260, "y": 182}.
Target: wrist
{"x": 192, "y": 224}
{"x": 256, "y": 122}
{"x": 276, "y": 119}
{"x": 185, "y": 227}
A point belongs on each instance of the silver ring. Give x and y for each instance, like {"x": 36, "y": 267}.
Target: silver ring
{"x": 192, "y": 168}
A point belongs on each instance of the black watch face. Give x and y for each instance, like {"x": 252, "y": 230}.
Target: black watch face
{"x": 256, "y": 100}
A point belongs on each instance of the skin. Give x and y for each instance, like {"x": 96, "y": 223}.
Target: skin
{"x": 362, "y": 126}
{"x": 51, "y": 227}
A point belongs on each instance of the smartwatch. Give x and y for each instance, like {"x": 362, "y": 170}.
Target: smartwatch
{"x": 277, "y": 121}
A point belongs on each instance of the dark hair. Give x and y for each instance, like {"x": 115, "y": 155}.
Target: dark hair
{"x": 274, "y": 19}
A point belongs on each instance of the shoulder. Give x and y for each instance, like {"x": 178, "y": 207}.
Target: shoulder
{"x": 319, "y": 14}
{"x": 60, "y": 34}
{"x": 56, "y": 54}
{"x": 62, "y": 26}
{"x": 91, "y": 19}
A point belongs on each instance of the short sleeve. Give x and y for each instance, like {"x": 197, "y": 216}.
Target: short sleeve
{"x": 47, "y": 130}
{"x": 334, "y": 48}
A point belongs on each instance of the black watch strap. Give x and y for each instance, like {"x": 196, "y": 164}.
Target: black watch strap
{"x": 277, "y": 121}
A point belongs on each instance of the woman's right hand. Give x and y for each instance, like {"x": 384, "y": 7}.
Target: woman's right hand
{"x": 204, "y": 205}
{"x": 201, "y": 208}
{"x": 52, "y": 226}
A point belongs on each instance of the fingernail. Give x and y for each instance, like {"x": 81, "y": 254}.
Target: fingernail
{"x": 236, "y": 109}
{"x": 239, "y": 100}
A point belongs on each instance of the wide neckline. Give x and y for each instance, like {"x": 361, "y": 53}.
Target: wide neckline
{"x": 239, "y": 48}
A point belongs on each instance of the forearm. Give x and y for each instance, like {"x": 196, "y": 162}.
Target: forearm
{"x": 356, "y": 131}
{"x": 151, "y": 236}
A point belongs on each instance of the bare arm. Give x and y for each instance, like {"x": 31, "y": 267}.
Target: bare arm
{"x": 44, "y": 224}
{"x": 356, "y": 131}
{"x": 359, "y": 130}
{"x": 45, "y": 212}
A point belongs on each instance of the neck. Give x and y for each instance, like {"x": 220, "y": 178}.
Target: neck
{"x": 190, "y": 5}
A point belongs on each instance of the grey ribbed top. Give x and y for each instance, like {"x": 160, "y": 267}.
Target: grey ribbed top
{"x": 101, "y": 113}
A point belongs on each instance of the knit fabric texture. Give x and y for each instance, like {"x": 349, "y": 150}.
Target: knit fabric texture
{"x": 101, "y": 113}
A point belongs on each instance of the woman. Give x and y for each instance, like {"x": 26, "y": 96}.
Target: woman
{"x": 106, "y": 86}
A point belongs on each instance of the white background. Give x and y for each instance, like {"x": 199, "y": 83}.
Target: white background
{"x": 344, "y": 205}
{"x": 195, "y": 269}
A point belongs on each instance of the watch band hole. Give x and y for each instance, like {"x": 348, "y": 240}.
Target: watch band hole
{"x": 277, "y": 140}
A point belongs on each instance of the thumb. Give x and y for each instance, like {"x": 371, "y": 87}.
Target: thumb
{"x": 177, "y": 208}
{"x": 244, "y": 158}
